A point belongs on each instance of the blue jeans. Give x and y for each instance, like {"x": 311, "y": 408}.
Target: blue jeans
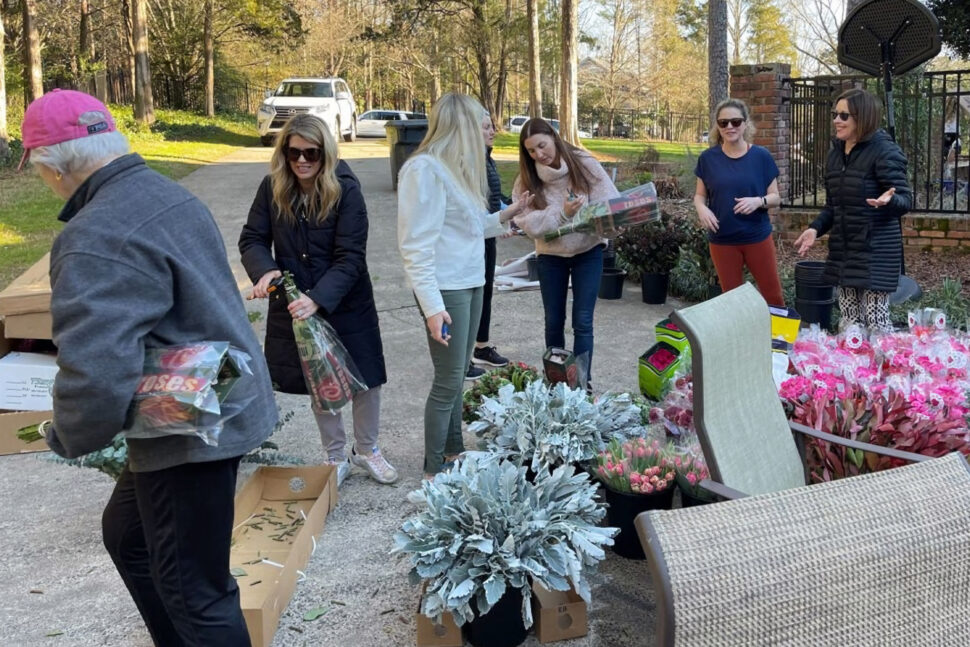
{"x": 554, "y": 274}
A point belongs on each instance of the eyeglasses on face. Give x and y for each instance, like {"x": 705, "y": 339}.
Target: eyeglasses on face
{"x": 736, "y": 122}
{"x": 841, "y": 116}
{"x": 311, "y": 155}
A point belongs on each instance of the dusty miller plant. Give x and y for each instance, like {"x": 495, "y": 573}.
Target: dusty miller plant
{"x": 485, "y": 529}
{"x": 554, "y": 426}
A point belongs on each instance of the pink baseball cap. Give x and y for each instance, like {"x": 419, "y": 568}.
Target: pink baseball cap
{"x": 60, "y": 116}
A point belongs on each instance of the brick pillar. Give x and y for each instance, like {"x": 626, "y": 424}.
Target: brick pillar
{"x": 766, "y": 89}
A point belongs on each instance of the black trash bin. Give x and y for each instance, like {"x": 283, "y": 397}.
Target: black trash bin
{"x": 403, "y": 138}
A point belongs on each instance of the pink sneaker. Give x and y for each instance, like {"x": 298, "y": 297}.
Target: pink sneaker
{"x": 376, "y": 465}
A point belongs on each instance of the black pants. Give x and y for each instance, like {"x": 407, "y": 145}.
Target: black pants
{"x": 168, "y": 534}
{"x": 491, "y": 252}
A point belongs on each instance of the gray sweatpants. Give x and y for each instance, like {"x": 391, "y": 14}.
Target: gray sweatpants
{"x": 367, "y": 417}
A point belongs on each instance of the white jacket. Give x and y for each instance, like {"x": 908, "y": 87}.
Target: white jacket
{"x": 441, "y": 232}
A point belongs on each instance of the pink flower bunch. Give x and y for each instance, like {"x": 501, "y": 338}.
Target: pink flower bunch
{"x": 691, "y": 468}
{"x": 676, "y": 411}
{"x": 638, "y": 466}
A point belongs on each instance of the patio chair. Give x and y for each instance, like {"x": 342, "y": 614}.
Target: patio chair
{"x": 875, "y": 560}
{"x": 746, "y": 438}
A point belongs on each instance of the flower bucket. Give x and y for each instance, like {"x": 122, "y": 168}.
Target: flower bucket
{"x": 611, "y": 283}
{"x": 624, "y": 508}
{"x": 532, "y": 264}
{"x": 656, "y": 367}
{"x": 502, "y": 626}
{"x": 654, "y": 288}
{"x": 667, "y": 331}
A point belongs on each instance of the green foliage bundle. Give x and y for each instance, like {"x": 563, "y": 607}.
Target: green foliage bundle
{"x": 518, "y": 374}
{"x": 547, "y": 426}
{"x": 653, "y": 248}
{"x": 486, "y": 529}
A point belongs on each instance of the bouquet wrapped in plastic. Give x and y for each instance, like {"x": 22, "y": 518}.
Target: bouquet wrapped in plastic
{"x": 183, "y": 388}
{"x": 636, "y": 206}
{"x": 331, "y": 377}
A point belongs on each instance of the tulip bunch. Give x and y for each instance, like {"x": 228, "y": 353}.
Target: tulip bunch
{"x": 640, "y": 466}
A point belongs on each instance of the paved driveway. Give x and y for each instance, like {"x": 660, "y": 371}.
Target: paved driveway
{"x": 57, "y": 577}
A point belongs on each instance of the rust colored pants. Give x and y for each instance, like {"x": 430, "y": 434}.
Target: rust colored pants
{"x": 759, "y": 258}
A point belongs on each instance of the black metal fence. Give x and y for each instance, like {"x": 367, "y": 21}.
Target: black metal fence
{"x": 658, "y": 124}
{"x": 932, "y": 119}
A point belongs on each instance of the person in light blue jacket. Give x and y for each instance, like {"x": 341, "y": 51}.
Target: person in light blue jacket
{"x": 442, "y": 225}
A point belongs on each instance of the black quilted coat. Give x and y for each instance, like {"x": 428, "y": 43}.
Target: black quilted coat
{"x": 865, "y": 243}
{"x": 329, "y": 265}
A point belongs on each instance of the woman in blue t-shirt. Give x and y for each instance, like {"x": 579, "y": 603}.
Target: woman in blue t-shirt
{"x": 737, "y": 183}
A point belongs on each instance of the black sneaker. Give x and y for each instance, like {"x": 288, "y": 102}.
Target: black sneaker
{"x": 474, "y": 372}
{"x": 489, "y": 356}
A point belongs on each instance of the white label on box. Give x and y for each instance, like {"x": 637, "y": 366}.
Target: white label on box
{"x": 27, "y": 381}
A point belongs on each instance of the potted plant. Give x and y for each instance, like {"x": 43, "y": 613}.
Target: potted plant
{"x": 518, "y": 374}
{"x": 690, "y": 469}
{"x": 638, "y": 475}
{"x": 543, "y": 426}
{"x": 485, "y": 533}
{"x": 651, "y": 252}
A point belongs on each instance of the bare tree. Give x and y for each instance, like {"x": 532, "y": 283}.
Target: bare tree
{"x": 569, "y": 99}
{"x": 717, "y": 80}
{"x": 737, "y": 27}
{"x": 144, "y": 104}
{"x": 535, "y": 68}
{"x": 817, "y": 34}
{"x": 33, "y": 71}
{"x": 129, "y": 40}
{"x": 4, "y": 137}
{"x": 208, "y": 47}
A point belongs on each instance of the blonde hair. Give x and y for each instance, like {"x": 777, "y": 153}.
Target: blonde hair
{"x": 749, "y": 130}
{"x": 455, "y": 139}
{"x": 325, "y": 192}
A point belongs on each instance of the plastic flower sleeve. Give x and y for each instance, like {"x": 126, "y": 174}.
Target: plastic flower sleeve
{"x": 182, "y": 391}
{"x": 332, "y": 378}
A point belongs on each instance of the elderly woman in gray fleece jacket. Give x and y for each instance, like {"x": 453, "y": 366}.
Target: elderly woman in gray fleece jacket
{"x": 562, "y": 178}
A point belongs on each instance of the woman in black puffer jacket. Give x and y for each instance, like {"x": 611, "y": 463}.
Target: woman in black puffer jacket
{"x": 867, "y": 194}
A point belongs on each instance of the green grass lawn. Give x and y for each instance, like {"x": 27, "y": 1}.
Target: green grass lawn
{"x": 177, "y": 144}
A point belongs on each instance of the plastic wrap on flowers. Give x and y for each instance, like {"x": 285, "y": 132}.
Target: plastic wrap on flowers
{"x": 636, "y": 206}
{"x": 182, "y": 391}
{"x": 332, "y": 378}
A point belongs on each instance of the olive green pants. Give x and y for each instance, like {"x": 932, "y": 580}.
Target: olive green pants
{"x": 442, "y": 411}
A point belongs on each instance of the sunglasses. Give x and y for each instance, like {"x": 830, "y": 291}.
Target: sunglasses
{"x": 723, "y": 123}
{"x": 311, "y": 155}
{"x": 841, "y": 116}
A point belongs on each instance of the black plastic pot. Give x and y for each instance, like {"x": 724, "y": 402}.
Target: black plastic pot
{"x": 624, "y": 508}
{"x": 654, "y": 288}
{"x": 533, "y": 264}
{"x": 611, "y": 283}
{"x": 688, "y": 500}
{"x": 814, "y": 297}
{"x": 714, "y": 290}
{"x": 816, "y": 311}
{"x": 502, "y": 626}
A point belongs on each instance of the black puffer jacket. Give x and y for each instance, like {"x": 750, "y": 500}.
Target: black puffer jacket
{"x": 865, "y": 243}
{"x": 329, "y": 265}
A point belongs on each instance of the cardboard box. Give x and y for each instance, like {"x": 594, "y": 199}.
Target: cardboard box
{"x": 558, "y": 615}
{"x": 279, "y": 512}
{"x": 432, "y": 634}
{"x": 653, "y": 380}
{"x": 560, "y": 366}
{"x": 11, "y": 421}
{"x": 27, "y": 381}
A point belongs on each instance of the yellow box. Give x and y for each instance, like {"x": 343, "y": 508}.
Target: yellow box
{"x": 784, "y": 323}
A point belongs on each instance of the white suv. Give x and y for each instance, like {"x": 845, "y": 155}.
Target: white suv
{"x": 328, "y": 99}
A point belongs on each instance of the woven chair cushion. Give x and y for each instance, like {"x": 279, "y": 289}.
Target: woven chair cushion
{"x": 737, "y": 412}
{"x": 877, "y": 560}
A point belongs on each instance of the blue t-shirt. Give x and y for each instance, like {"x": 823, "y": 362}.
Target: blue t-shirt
{"x": 725, "y": 179}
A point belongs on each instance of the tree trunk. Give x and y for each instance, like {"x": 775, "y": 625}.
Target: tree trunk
{"x": 129, "y": 44}
{"x": 717, "y": 59}
{"x": 84, "y": 51}
{"x": 535, "y": 80}
{"x": 144, "y": 104}
{"x": 503, "y": 68}
{"x": 4, "y": 137}
{"x": 210, "y": 67}
{"x": 33, "y": 72}
{"x": 568, "y": 129}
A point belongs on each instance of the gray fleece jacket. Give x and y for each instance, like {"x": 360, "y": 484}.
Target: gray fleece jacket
{"x": 141, "y": 263}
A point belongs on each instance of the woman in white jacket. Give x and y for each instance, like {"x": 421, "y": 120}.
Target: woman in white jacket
{"x": 563, "y": 178}
{"x": 442, "y": 225}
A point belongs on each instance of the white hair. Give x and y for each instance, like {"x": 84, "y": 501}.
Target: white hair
{"x": 81, "y": 154}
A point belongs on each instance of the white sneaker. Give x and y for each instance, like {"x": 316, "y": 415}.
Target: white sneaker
{"x": 376, "y": 465}
{"x": 343, "y": 469}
